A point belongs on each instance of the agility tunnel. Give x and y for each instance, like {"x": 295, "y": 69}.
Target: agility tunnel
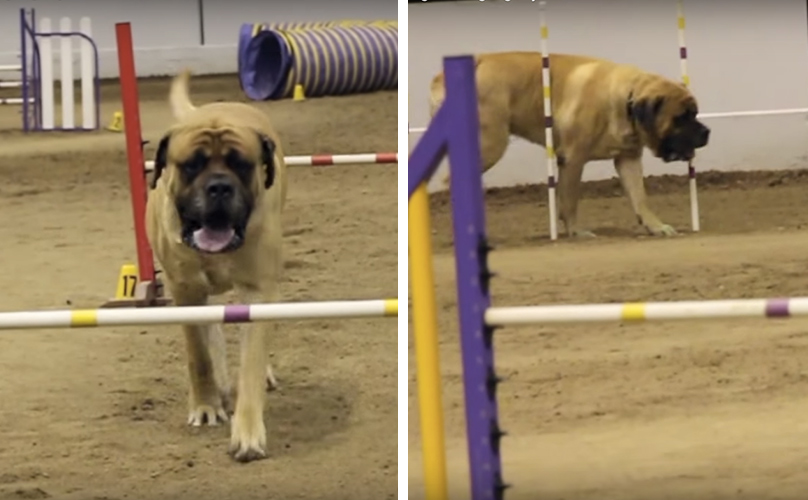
{"x": 325, "y": 58}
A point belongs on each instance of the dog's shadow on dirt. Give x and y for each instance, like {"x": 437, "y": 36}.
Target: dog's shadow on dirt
{"x": 305, "y": 412}
{"x": 302, "y": 414}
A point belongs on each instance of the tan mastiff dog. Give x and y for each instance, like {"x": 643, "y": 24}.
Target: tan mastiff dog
{"x": 602, "y": 110}
{"x": 213, "y": 218}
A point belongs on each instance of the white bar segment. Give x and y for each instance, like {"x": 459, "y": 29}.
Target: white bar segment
{"x": 10, "y": 67}
{"x": 88, "y": 111}
{"x": 14, "y": 100}
{"x": 10, "y": 85}
{"x": 66, "y": 63}
{"x": 46, "y": 75}
{"x": 710, "y": 116}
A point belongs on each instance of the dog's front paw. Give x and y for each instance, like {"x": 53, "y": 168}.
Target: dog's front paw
{"x": 248, "y": 439}
{"x": 272, "y": 382}
{"x": 583, "y": 234}
{"x": 210, "y": 414}
{"x": 662, "y": 230}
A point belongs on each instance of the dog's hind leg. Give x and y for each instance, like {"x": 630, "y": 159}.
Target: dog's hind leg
{"x": 494, "y": 140}
{"x": 631, "y": 177}
{"x": 569, "y": 193}
{"x": 272, "y": 381}
{"x": 206, "y": 361}
{"x": 217, "y": 348}
{"x": 207, "y": 367}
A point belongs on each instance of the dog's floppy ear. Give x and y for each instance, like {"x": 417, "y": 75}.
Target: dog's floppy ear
{"x": 160, "y": 159}
{"x": 646, "y": 111}
{"x": 268, "y": 159}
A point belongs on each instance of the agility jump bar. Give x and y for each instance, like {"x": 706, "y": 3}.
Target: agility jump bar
{"x": 326, "y": 160}
{"x": 231, "y": 313}
{"x": 648, "y": 311}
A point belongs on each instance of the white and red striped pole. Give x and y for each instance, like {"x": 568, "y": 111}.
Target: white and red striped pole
{"x": 326, "y": 160}
{"x": 355, "y": 159}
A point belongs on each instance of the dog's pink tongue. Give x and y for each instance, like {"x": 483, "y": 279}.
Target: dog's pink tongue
{"x": 213, "y": 240}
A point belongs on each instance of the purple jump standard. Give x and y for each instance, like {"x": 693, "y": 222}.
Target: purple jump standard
{"x": 455, "y": 129}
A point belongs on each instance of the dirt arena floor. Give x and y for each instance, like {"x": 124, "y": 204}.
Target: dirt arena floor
{"x": 100, "y": 413}
{"x": 695, "y": 410}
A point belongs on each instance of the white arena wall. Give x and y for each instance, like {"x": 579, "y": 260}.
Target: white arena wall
{"x": 742, "y": 56}
{"x": 168, "y": 35}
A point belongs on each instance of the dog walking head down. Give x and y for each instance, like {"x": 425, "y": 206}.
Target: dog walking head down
{"x": 666, "y": 113}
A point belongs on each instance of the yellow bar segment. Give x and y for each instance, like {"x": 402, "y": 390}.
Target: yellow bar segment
{"x": 425, "y": 323}
{"x": 84, "y": 318}
{"x": 391, "y": 307}
{"x": 633, "y": 311}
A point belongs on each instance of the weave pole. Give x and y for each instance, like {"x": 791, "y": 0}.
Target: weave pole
{"x": 328, "y": 160}
{"x": 691, "y": 170}
{"x": 548, "y": 123}
{"x": 234, "y": 313}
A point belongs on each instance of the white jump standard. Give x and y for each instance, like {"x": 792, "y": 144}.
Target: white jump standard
{"x": 38, "y": 76}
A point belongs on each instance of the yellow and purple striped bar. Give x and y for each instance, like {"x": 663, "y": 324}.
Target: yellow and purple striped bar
{"x": 233, "y": 313}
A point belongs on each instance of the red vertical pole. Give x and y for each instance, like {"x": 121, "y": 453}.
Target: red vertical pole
{"x": 134, "y": 147}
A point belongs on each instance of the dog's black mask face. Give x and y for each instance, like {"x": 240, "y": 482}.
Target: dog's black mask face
{"x": 215, "y": 195}
{"x": 676, "y": 131}
{"x": 684, "y": 136}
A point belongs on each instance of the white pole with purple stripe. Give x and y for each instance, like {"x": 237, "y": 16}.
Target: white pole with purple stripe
{"x": 691, "y": 170}
{"x": 233, "y": 313}
{"x": 548, "y": 125}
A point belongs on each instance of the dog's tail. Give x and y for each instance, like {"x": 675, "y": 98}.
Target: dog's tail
{"x": 179, "y": 97}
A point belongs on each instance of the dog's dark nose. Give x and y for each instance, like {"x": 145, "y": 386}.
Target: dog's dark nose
{"x": 219, "y": 188}
{"x": 704, "y": 137}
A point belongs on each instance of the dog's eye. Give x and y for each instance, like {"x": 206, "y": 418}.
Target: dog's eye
{"x": 194, "y": 165}
{"x": 684, "y": 118}
{"x": 238, "y": 164}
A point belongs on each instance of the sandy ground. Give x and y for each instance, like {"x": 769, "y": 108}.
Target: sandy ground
{"x": 697, "y": 410}
{"x": 100, "y": 413}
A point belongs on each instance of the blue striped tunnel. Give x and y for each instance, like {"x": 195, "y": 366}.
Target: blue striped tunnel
{"x": 327, "y": 58}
